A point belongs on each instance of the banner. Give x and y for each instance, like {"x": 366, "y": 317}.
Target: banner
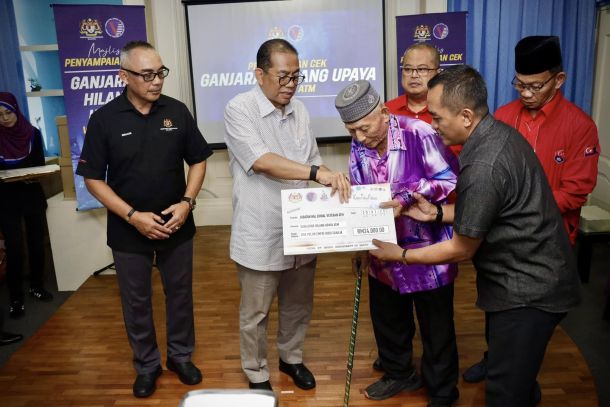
{"x": 445, "y": 31}
{"x": 90, "y": 39}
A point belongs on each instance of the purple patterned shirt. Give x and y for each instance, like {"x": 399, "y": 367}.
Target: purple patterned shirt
{"x": 416, "y": 160}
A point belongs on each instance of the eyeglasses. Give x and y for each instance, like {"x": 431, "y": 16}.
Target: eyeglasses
{"x": 532, "y": 87}
{"x": 150, "y": 76}
{"x": 421, "y": 71}
{"x": 286, "y": 79}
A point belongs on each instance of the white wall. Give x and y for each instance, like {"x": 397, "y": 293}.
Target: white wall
{"x": 167, "y": 31}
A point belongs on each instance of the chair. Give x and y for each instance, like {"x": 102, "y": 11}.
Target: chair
{"x": 229, "y": 398}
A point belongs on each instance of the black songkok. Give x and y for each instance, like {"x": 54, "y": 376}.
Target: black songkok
{"x": 537, "y": 54}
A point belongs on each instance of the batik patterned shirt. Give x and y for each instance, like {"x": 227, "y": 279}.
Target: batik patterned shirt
{"x": 416, "y": 160}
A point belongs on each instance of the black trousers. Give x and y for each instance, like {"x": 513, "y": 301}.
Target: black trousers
{"x": 134, "y": 271}
{"x": 11, "y": 225}
{"x": 394, "y": 328}
{"x": 517, "y": 341}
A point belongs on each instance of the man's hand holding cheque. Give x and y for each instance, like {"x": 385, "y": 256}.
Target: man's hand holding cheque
{"x": 338, "y": 182}
{"x": 421, "y": 210}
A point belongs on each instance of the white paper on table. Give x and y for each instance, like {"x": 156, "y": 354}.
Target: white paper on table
{"x": 315, "y": 222}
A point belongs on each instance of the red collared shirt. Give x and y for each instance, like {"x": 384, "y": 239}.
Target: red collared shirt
{"x": 567, "y": 145}
{"x": 400, "y": 106}
{"x": 529, "y": 126}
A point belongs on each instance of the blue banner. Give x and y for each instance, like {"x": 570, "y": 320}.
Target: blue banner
{"x": 445, "y": 31}
{"x": 90, "y": 39}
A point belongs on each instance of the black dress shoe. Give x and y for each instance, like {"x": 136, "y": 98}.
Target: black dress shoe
{"x": 476, "y": 373}
{"x": 187, "y": 372}
{"x": 301, "y": 376}
{"x": 16, "y": 309}
{"x": 377, "y": 365}
{"x": 146, "y": 383}
{"x": 260, "y": 386}
{"x": 6, "y": 338}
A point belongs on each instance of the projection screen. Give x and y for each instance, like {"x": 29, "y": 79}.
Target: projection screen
{"x": 338, "y": 41}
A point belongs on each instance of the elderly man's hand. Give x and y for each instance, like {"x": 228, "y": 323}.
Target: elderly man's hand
{"x": 421, "y": 209}
{"x": 338, "y": 181}
{"x": 386, "y": 251}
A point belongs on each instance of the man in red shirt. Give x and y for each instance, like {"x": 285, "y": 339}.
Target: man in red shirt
{"x": 420, "y": 63}
{"x": 562, "y": 135}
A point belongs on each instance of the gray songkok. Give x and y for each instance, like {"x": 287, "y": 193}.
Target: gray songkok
{"x": 356, "y": 101}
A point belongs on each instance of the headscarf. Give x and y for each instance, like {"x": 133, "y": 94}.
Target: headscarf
{"x": 16, "y": 141}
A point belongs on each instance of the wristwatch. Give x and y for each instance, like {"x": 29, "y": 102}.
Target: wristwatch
{"x": 191, "y": 201}
{"x": 131, "y": 212}
{"x": 313, "y": 172}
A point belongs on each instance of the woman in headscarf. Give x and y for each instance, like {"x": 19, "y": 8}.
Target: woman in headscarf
{"x": 21, "y": 202}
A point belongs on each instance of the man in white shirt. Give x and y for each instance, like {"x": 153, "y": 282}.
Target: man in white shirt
{"x": 271, "y": 148}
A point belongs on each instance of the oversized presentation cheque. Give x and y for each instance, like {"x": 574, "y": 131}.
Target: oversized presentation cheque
{"x": 315, "y": 222}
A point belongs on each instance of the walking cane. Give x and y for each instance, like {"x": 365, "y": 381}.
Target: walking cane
{"x": 357, "y": 267}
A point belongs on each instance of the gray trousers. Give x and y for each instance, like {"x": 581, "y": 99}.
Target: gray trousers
{"x": 294, "y": 289}
{"x": 134, "y": 272}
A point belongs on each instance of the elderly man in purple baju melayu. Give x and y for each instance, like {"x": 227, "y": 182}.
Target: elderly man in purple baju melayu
{"x": 408, "y": 154}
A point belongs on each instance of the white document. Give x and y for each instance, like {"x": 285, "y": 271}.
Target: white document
{"x": 315, "y": 222}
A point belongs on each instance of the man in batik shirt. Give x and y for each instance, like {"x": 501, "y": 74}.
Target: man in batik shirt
{"x": 407, "y": 154}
